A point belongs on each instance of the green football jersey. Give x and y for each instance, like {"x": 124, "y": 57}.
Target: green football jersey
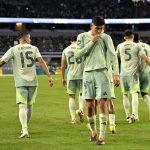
{"x": 75, "y": 66}
{"x": 129, "y": 53}
{"x": 96, "y": 53}
{"x": 23, "y": 57}
{"x": 144, "y": 67}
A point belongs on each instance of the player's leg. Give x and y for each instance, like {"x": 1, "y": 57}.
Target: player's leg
{"x": 125, "y": 90}
{"x": 103, "y": 92}
{"x": 31, "y": 100}
{"x": 22, "y": 96}
{"x": 71, "y": 90}
{"x": 126, "y": 105}
{"x": 134, "y": 90}
{"x": 144, "y": 88}
{"x": 80, "y": 111}
{"x": 89, "y": 96}
{"x": 111, "y": 111}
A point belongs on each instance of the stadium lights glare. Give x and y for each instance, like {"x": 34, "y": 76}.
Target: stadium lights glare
{"x": 72, "y": 21}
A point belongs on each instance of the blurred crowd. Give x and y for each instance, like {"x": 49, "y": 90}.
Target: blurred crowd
{"x": 75, "y": 8}
{"x": 54, "y": 44}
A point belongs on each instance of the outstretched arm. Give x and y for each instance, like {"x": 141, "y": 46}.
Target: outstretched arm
{"x": 43, "y": 65}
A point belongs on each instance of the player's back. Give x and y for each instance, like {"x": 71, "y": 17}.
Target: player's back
{"x": 75, "y": 66}
{"x": 24, "y": 63}
{"x": 129, "y": 55}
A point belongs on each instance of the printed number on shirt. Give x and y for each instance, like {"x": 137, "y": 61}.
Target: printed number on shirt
{"x": 71, "y": 60}
{"x": 27, "y": 56}
{"x": 127, "y": 52}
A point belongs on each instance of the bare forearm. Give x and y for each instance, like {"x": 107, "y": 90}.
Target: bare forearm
{"x": 45, "y": 68}
{"x": 63, "y": 72}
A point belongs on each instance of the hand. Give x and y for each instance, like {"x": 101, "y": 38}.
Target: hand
{"x": 95, "y": 38}
{"x": 64, "y": 82}
{"x": 116, "y": 80}
{"x": 51, "y": 81}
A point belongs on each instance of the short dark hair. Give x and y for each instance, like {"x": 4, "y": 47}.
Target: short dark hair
{"x": 98, "y": 21}
{"x": 128, "y": 33}
{"x": 74, "y": 38}
{"x": 22, "y": 34}
{"x": 136, "y": 37}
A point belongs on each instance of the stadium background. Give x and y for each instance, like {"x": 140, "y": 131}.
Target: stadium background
{"x": 51, "y": 39}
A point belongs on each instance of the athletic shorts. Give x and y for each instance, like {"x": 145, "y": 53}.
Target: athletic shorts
{"x": 26, "y": 94}
{"x": 129, "y": 84}
{"x": 73, "y": 86}
{"x": 144, "y": 82}
{"x": 96, "y": 84}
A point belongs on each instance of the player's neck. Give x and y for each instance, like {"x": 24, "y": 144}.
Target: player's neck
{"x": 129, "y": 40}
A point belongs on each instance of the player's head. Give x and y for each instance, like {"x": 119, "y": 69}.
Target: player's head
{"x": 136, "y": 37}
{"x": 73, "y": 39}
{"x": 128, "y": 35}
{"x": 97, "y": 25}
{"x": 24, "y": 37}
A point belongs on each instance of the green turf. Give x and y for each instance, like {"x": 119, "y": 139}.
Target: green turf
{"x": 49, "y": 127}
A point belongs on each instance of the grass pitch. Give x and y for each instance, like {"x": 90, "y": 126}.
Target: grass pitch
{"x": 49, "y": 128}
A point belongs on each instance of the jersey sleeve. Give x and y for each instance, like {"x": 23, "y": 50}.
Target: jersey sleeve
{"x": 112, "y": 54}
{"x": 37, "y": 53}
{"x": 63, "y": 55}
{"x": 81, "y": 48}
{"x": 8, "y": 55}
{"x": 140, "y": 50}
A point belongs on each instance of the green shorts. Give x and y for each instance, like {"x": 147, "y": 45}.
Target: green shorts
{"x": 96, "y": 84}
{"x": 26, "y": 94}
{"x": 129, "y": 84}
{"x": 144, "y": 82}
{"x": 73, "y": 85}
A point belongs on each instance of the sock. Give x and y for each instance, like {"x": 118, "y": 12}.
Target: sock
{"x": 92, "y": 122}
{"x": 29, "y": 112}
{"x": 112, "y": 119}
{"x": 72, "y": 108}
{"x": 23, "y": 117}
{"x": 103, "y": 124}
{"x": 135, "y": 104}
{"x": 81, "y": 103}
{"x": 126, "y": 105}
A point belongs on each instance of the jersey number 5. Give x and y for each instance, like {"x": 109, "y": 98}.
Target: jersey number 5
{"x": 127, "y": 52}
{"x": 27, "y": 56}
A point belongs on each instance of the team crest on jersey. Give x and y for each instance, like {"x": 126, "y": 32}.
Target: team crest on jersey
{"x": 78, "y": 42}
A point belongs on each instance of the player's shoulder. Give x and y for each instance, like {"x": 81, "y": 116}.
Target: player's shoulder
{"x": 105, "y": 35}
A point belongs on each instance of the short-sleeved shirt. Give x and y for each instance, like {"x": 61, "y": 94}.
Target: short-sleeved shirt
{"x": 129, "y": 53}
{"x": 75, "y": 66}
{"x": 24, "y": 58}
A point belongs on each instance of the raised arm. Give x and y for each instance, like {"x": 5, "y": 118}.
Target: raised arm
{"x": 83, "y": 49}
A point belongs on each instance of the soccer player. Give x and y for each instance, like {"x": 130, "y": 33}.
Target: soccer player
{"x": 130, "y": 54}
{"x": 74, "y": 78}
{"x": 94, "y": 45}
{"x": 144, "y": 71}
{"x": 24, "y": 57}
